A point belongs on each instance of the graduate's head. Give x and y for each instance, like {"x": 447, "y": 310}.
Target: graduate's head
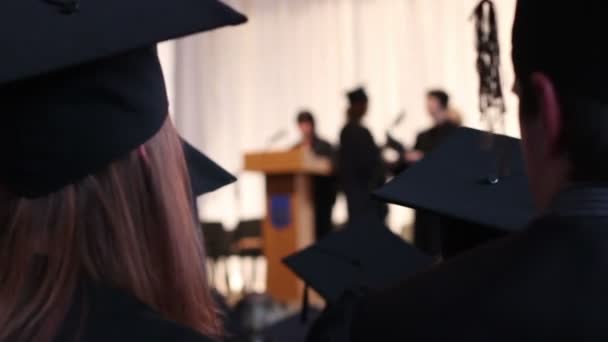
{"x": 561, "y": 74}
{"x": 128, "y": 225}
{"x": 306, "y": 124}
{"x": 94, "y": 186}
{"x": 437, "y": 102}
{"x": 358, "y": 102}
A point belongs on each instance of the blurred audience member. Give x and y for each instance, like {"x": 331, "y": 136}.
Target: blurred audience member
{"x": 324, "y": 187}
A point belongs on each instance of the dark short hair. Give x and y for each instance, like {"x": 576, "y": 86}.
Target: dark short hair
{"x": 306, "y": 116}
{"x": 441, "y": 96}
{"x": 584, "y": 138}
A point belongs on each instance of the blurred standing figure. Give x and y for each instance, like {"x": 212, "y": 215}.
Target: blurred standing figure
{"x": 427, "y": 228}
{"x": 324, "y": 187}
{"x": 360, "y": 166}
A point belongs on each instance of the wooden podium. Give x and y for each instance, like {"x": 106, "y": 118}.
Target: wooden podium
{"x": 289, "y": 222}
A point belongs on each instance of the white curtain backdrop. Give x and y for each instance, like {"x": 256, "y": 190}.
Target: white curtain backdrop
{"x": 233, "y": 89}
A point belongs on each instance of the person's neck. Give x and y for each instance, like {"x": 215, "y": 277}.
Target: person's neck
{"x": 441, "y": 119}
{"x": 308, "y": 140}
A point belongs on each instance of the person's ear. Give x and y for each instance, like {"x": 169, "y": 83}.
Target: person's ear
{"x": 549, "y": 110}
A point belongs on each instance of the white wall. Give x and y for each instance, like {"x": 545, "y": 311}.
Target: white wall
{"x": 231, "y": 89}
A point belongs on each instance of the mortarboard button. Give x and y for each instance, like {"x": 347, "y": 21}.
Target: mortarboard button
{"x": 492, "y": 180}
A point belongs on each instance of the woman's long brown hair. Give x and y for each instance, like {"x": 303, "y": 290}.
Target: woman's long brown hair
{"x": 129, "y": 226}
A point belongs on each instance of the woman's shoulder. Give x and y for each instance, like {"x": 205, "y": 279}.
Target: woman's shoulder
{"x": 115, "y": 316}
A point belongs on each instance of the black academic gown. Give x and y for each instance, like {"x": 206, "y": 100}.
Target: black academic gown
{"x": 115, "y": 316}
{"x": 427, "y": 226}
{"x": 325, "y": 189}
{"x": 361, "y": 171}
{"x": 547, "y": 283}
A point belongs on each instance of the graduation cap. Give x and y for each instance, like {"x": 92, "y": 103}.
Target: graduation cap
{"x": 357, "y": 95}
{"x": 205, "y": 175}
{"x": 364, "y": 255}
{"x": 81, "y": 84}
{"x": 474, "y": 177}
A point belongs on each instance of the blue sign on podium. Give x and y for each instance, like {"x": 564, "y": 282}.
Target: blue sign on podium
{"x": 280, "y": 211}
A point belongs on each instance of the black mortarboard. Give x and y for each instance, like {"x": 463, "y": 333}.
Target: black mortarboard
{"x": 205, "y": 175}
{"x": 364, "y": 255}
{"x": 474, "y": 176}
{"x": 563, "y": 39}
{"x": 357, "y": 95}
{"x": 81, "y": 82}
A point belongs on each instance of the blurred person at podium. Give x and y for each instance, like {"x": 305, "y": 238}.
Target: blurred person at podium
{"x": 325, "y": 188}
{"x": 427, "y": 226}
{"x": 361, "y": 168}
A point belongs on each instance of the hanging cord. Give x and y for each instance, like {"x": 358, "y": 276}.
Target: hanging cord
{"x": 491, "y": 99}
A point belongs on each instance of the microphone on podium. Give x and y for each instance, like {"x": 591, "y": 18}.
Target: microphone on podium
{"x": 275, "y": 138}
{"x": 398, "y": 120}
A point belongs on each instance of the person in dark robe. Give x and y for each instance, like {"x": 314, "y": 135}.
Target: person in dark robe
{"x": 547, "y": 282}
{"x": 360, "y": 166}
{"x": 324, "y": 187}
{"x": 427, "y": 226}
{"x": 97, "y": 233}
